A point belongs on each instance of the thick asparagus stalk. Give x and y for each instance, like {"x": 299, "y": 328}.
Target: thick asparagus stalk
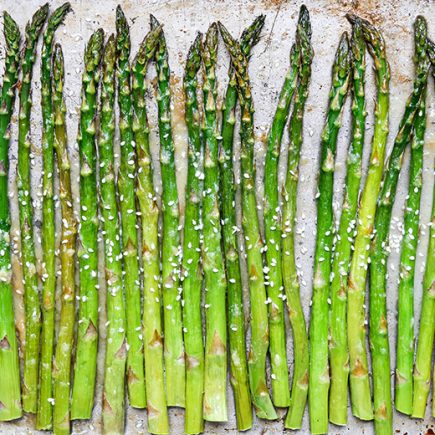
{"x": 28, "y": 259}
{"x": 152, "y": 324}
{"x": 338, "y": 350}
{"x": 116, "y": 343}
{"x": 191, "y": 271}
{"x": 259, "y": 319}
{"x": 405, "y": 322}
{"x": 9, "y": 364}
{"x": 379, "y": 344}
{"x": 65, "y": 337}
{"x": 304, "y": 55}
{"x": 236, "y": 319}
{"x": 126, "y": 186}
{"x": 87, "y": 334}
{"x": 356, "y": 332}
{"x": 319, "y": 368}
{"x": 215, "y": 373}
{"x": 272, "y": 230}
{"x": 171, "y": 245}
{"x": 45, "y": 409}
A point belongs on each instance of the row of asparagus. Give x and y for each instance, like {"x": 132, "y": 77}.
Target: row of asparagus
{"x": 164, "y": 360}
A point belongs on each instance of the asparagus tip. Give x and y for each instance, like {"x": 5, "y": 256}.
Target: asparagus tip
{"x": 34, "y": 26}
{"x": 154, "y": 21}
{"x": 59, "y": 15}
{"x": 58, "y": 63}
{"x": 193, "y": 62}
{"x": 11, "y": 30}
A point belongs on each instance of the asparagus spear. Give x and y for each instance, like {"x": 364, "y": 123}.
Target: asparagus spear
{"x": 65, "y": 338}
{"x": 191, "y": 271}
{"x": 171, "y": 248}
{"x": 236, "y": 320}
{"x": 426, "y": 333}
{"x": 44, "y": 413}
{"x": 87, "y": 334}
{"x": 304, "y": 55}
{"x": 31, "y": 292}
{"x": 356, "y": 333}
{"x": 215, "y": 373}
{"x": 379, "y": 251}
{"x": 9, "y": 364}
{"x": 126, "y": 186}
{"x": 405, "y": 322}
{"x": 116, "y": 346}
{"x": 259, "y": 322}
{"x": 272, "y": 230}
{"x": 154, "y": 372}
{"x": 319, "y": 369}
{"x": 338, "y": 350}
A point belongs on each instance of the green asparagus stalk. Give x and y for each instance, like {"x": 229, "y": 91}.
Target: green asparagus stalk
{"x": 319, "y": 368}
{"x": 116, "y": 343}
{"x": 379, "y": 344}
{"x": 171, "y": 245}
{"x": 126, "y": 186}
{"x": 426, "y": 333}
{"x": 154, "y": 372}
{"x": 31, "y": 291}
{"x": 236, "y": 321}
{"x": 87, "y": 334}
{"x": 405, "y": 323}
{"x": 9, "y": 364}
{"x": 191, "y": 270}
{"x": 65, "y": 338}
{"x": 272, "y": 230}
{"x": 215, "y": 373}
{"x": 299, "y": 392}
{"x": 356, "y": 333}
{"x": 259, "y": 319}
{"x": 338, "y": 350}
{"x": 45, "y": 409}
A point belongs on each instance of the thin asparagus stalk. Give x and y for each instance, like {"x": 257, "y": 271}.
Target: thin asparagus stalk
{"x": 9, "y": 365}
{"x": 423, "y": 358}
{"x": 236, "y": 320}
{"x": 126, "y": 187}
{"x": 215, "y": 373}
{"x": 154, "y": 372}
{"x": 259, "y": 319}
{"x": 191, "y": 271}
{"x": 272, "y": 229}
{"x": 405, "y": 322}
{"x": 319, "y": 368}
{"x": 338, "y": 350}
{"x": 87, "y": 334}
{"x": 31, "y": 291}
{"x": 379, "y": 344}
{"x": 171, "y": 245}
{"x": 356, "y": 332}
{"x": 116, "y": 344}
{"x": 304, "y": 55}
{"x": 65, "y": 338}
{"x": 45, "y": 408}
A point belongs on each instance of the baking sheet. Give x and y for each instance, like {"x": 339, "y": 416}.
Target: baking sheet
{"x": 181, "y": 19}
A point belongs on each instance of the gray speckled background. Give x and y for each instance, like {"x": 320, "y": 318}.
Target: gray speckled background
{"x": 182, "y": 18}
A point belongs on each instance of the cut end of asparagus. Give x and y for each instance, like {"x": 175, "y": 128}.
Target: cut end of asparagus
{"x": 193, "y": 62}
{"x": 11, "y": 31}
